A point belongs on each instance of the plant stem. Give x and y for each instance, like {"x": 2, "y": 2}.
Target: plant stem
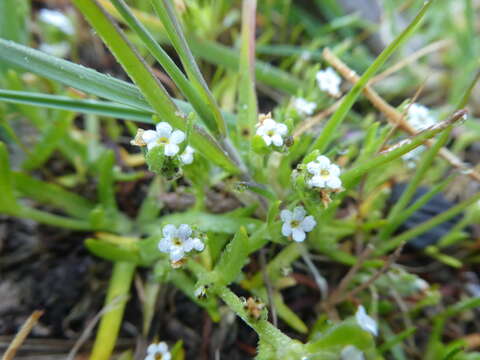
{"x": 117, "y": 296}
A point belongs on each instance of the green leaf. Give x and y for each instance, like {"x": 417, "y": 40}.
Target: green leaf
{"x": 112, "y": 252}
{"x": 206, "y": 222}
{"x": 167, "y": 63}
{"x": 337, "y": 118}
{"x": 247, "y": 97}
{"x": 106, "y": 184}
{"x": 8, "y": 203}
{"x": 166, "y": 12}
{"x": 52, "y": 194}
{"x": 233, "y": 258}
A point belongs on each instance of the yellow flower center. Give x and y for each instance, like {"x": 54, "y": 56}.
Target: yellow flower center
{"x": 163, "y": 140}
{"x": 270, "y": 132}
{"x": 158, "y": 356}
{"x": 295, "y": 223}
{"x": 324, "y": 173}
{"x": 177, "y": 241}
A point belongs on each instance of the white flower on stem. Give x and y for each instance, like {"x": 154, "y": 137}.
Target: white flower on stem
{"x": 366, "y": 322}
{"x": 271, "y": 131}
{"x": 178, "y": 241}
{"x": 304, "y": 107}
{"x": 325, "y": 174}
{"x": 57, "y": 19}
{"x": 329, "y": 81}
{"x": 296, "y": 224}
{"x": 158, "y": 352}
{"x": 164, "y": 135}
{"x": 351, "y": 352}
{"x": 187, "y": 155}
{"x": 419, "y": 117}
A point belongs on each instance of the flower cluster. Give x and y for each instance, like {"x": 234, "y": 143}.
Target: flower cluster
{"x": 272, "y": 132}
{"x": 165, "y": 136}
{"x": 329, "y": 81}
{"x": 325, "y": 174}
{"x": 158, "y": 352}
{"x": 303, "y": 106}
{"x": 366, "y": 322}
{"x": 296, "y": 224}
{"x": 177, "y": 242}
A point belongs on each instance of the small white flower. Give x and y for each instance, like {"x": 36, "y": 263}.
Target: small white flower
{"x": 325, "y": 174}
{"x": 179, "y": 241}
{"x": 164, "y": 135}
{"x": 329, "y": 81}
{"x": 304, "y": 107}
{"x": 366, "y": 322}
{"x": 187, "y": 155}
{"x": 158, "y": 352}
{"x": 419, "y": 117}
{"x": 57, "y": 19}
{"x": 295, "y": 223}
{"x": 272, "y": 132}
{"x": 351, "y": 352}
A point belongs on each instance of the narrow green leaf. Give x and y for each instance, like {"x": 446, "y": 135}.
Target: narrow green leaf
{"x": 247, "y": 98}
{"x": 8, "y": 203}
{"x": 52, "y": 194}
{"x": 166, "y": 12}
{"x": 106, "y": 184}
{"x": 112, "y": 252}
{"x": 337, "y": 118}
{"x": 233, "y": 258}
{"x": 167, "y": 63}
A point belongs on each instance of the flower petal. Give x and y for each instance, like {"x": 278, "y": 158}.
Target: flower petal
{"x": 164, "y": 129}
{"x": 286, "y": 215}
{"x": 162, "y": 347}
{"x": 152, "y": 349}
{"x": 308, "y": 224}
{"x": 198, "y": 244}
{"x": 169, "y": 230}
{"x": 366, "y": 322}
{"x": 176, "y": 253}
{"x": 149, "y": 136}
{"x": 286, "y": 229}
{"x": 282, "y": 129}
{"x": 267, "y": 139}
{"x": 277, "y": 140}
{"x": 334, "y": 182}
{"x": 164, "y": 245}
{"x": 351, "y": 352}
{"x": 299, "y": 213}
{"x": 316, "y": 181}
{"x": 184, "y": 231}
{"x": 177, "y": 137}
{"x": 171, "y": 149}
{"x": 323, "y": 161}
{"x": 298, "y": 235}
{"x": 313, "y": 168}
{"x": 334, "y": 170}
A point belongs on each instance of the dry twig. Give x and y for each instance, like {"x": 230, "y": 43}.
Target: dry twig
{"x": 22, "y": 335}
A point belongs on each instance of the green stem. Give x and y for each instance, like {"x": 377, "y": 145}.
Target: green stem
{"x": 115, "y": 302}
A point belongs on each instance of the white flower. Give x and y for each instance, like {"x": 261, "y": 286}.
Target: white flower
{"x": 57, "y": 19}
{"x": 304, "y": 107}
{"x": 187, "y": 155}
{"x": 419, "y": 117}
{"x": 325, "y": 174}
{"x": 351, "y": 352}
{"x": 329, "y": 81}
{"x": 158, "y": 352}
{"x": 272, "y": 132}
{"x": 179, "y": 241}
{"x": 295, "y": 223}
{"x": 163, "y": 135}
{"x": 366, "y": 322}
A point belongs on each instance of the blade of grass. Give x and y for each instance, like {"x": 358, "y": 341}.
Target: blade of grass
{"x": 247, "y": 98}
{"x": 167, "y": 63}
{"x": 8, "y": 202}
{"x": 216, "y": 53}
{"x": 326, "y": 136}
{"x": 166, "y": 13}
